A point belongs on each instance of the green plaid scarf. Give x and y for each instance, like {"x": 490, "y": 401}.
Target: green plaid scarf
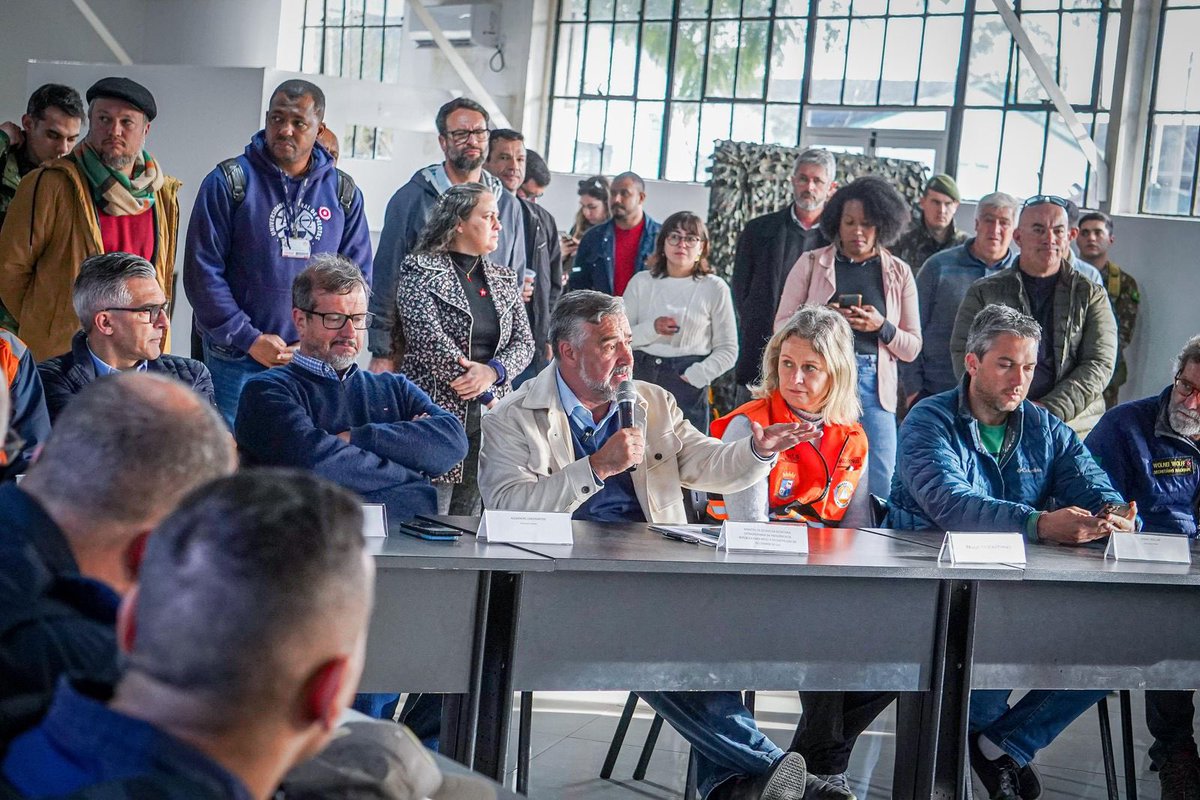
{"x": 115, "y": 193}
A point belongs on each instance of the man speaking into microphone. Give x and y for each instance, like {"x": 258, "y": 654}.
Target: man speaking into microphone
{"x": 565, "y": 442}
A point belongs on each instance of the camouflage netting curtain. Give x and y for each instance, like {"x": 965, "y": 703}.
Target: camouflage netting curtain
{"x": 749, "y": 180}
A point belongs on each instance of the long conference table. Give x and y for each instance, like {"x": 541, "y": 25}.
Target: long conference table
{"x": 625, "y": 608}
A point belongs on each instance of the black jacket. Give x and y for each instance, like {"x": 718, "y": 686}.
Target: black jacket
{"x": 53, "y": 620}
{"x": 65, "y": 376}
{"x": 760, "y": 267}
{"x": 543, "y": 253}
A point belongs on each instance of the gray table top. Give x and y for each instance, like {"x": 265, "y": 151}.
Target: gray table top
{"x": 1051, "y": 562}
{"x": 401, "y": 551}
{"x": 633, "y": 547}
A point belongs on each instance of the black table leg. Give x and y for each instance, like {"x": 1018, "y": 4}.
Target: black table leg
{"x": 496, "y": 685}
{"x": 951, "y": 773}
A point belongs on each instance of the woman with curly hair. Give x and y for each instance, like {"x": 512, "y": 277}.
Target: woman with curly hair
{"x": 461, "y": 325}
{"x": 877, "y": 295}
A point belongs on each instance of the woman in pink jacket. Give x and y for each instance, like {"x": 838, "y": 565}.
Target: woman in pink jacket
{"x": 876, "y": 294}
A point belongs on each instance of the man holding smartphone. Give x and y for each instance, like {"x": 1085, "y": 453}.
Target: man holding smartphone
{"x": 982, "y": 457}
{"x": 1150, "y": 448}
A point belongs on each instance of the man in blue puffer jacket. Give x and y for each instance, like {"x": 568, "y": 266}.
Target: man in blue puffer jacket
{"x": 257, "y": 221}
{"x": 981, "y": 457}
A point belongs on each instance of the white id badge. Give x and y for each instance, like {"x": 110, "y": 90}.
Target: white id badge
{"x": 296, "y": 248}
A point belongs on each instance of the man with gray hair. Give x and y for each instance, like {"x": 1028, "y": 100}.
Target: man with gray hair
{"x": 376, "y": 434}
{"x": 981, "y": 457}
{"x": 119, "y": 460}
{"x": 557, "y": 444}
{"x": 244, "y": 642}
{"x": 124, "y": 318}
{"x": 1150, "y": 448}
{"x": 767, "y": 249}
{"x": 943, "y": 282}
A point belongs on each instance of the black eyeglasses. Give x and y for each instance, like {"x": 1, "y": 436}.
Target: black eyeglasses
{"x": 335, "y": 322}
{"x": 1185, "y": 388}
{"x": 147, "y": 314}
{"x": 689, "y": 239}
{"x": 462, "y": 136}
{"x": 1043, "y": 199}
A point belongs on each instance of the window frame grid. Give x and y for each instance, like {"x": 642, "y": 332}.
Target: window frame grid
{"x": 323, "y": 28}
{"x": 1155, "y": 111}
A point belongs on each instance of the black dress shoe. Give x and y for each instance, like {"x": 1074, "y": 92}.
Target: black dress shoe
{"x": 1001, "y": 777}
{"x": 785, "y": 780}
{"x": 1029, "y": 782}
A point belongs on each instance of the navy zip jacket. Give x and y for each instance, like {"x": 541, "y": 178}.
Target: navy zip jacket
{"x": 593, "y": 266}
{"x": 65, "y": 376}
{"x": 235, "y": 274}
{"x": 290, "y": 416}
{"x": 946, "y": 480}
{"x": 1150, "y": 463}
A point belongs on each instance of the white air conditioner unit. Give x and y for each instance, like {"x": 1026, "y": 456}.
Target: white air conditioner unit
{"x": 471, "y": 25}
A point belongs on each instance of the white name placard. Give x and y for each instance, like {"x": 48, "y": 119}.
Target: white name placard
{"x": 374, "y": 520}
{"x": 525, "y": 527}
{"x": 970, "y": 547}
{"x": 1171, "y": 548}
{"x": 19, "y": 478}
{"x": 764, "y": 537}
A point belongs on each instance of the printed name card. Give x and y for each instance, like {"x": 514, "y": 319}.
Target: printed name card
{"x": 764, "y": 537}
{"x": 525, "y": 527}
{"x": 970, "y": 547}
{"x": 1167, "y": 547}
{"x": 374, "y": 520}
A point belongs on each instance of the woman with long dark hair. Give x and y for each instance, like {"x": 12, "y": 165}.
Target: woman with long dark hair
{"x": 461, "y": 325}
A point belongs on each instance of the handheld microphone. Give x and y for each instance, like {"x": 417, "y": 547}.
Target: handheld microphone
{"x": 626, "y": 399}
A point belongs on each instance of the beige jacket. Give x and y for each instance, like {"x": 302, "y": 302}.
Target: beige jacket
{"x": 51, "y": 227}
{"x": 527, "y": 463}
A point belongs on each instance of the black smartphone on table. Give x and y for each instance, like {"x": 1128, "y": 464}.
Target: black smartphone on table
{"x": 430, "y": 531}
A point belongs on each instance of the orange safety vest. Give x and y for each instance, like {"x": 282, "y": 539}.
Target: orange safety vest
{"x": 10, "y": 362}
{"x": 803, "y": 485}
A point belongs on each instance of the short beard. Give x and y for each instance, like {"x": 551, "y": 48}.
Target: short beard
{"x": 808, "y": 205}
{"x": 116, "y": 162}
{"x": 465, "y": 163}
{"x": 1184, "y": 422}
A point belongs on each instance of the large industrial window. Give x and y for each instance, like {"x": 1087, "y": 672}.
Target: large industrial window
{"x": 1013, "y": 138}
{"x": 649, "y": 85}
{"x": 353, "y": 38}
{"x": 1170, "y": 177}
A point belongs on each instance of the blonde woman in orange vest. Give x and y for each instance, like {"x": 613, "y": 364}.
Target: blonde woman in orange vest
{"x": 810, "y": 374}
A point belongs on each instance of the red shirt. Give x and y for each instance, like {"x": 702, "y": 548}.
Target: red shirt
{"x": 132, "y": 233}
{"x": 625, "y": 253}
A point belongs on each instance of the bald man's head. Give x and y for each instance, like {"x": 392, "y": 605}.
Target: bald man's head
{"x": 126, "y": 449}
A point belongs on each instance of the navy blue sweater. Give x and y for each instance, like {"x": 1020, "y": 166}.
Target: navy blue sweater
{"x": 289, "y": 416}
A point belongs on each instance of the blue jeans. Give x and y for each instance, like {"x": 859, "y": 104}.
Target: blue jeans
{"x": 230, "y": 369}
{"x": 880, "y": 427}
{"x": 726, "y": 741}
{"x": 1030, "y": 725}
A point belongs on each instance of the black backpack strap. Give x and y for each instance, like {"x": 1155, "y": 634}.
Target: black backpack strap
{"x": 235, "y": 179}
{"x": 346, "y": 190}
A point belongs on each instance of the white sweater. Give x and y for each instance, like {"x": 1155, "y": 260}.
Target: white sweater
{"x": 704, "y": 310}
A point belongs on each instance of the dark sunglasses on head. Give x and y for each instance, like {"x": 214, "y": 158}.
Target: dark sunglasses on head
{"x": 1043, "y": 199}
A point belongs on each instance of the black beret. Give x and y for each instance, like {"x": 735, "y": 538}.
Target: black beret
{"x": 131, "y": 92}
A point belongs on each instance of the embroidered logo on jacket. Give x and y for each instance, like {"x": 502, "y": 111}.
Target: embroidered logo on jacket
{"x": 1165, "y": 467}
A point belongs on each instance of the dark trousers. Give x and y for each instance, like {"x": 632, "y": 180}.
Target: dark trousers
{"x": 830, "y": 724}
{"x": 463, "y": 498}
{"x": 1169, "y": 718}
{"x": 668, "y": 373}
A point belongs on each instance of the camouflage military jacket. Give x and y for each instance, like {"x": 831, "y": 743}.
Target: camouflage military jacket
{"x": 917, "y": 244}
{"x": 1124, "y": 297}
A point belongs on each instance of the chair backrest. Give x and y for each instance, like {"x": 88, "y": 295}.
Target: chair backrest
{"x": 879, "y": 509}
